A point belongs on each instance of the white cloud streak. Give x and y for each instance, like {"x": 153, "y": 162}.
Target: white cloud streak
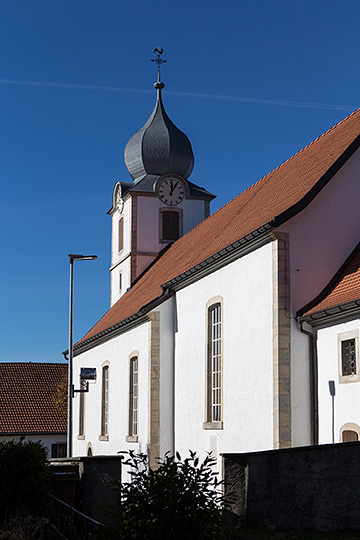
{"x": 240, "y": 99}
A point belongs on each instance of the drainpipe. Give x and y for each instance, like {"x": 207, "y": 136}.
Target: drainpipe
{"x": 314, "y": 384}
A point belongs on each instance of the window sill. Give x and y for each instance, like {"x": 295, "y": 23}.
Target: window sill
{"x": 213, "y": 425}
{"x": 131, "y": 438}
{"x": 81, "y": 437}
{"x": 103, "y": 437}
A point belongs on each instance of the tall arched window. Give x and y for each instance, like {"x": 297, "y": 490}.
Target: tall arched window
{"x": 214, "y": 367}
{"x": 105, "y": 402}
{"x": 133, "y": 397}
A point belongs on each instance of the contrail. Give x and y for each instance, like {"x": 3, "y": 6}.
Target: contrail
{"x": 260, "y": 101}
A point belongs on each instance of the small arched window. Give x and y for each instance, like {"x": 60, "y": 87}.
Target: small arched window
{"x": 121, "y": 234}
{"x": 350, "y": 432}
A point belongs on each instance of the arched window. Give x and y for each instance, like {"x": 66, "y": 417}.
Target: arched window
{"x": 121, "y": 234}
{"x": 105, "y": 403}
{"x": 350, "y": 432}
{"x": 214, "y": 383}
{"x": 133, "y": 397}
{"x": 348, "y": 435}
{"x": 81, "y": 433}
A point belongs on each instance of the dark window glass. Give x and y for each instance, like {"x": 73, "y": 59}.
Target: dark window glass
{"x": 170, "y": 225}
{"x": 348, "y": 435}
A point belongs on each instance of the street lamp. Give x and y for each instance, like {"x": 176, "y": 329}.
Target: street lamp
{"x": 72, "y": 258}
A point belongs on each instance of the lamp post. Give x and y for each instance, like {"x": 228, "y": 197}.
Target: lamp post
{"x": 72, "y": 258}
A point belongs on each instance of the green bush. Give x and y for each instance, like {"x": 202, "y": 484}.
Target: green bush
{"x": 178, "y": 500}
{"x": 24, "y": 478}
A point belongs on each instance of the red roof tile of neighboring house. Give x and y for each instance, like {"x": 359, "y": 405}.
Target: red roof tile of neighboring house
{"x": 27, "y": 398}
{"x": 280, "y": 194}
{"x": 343, "y": 288}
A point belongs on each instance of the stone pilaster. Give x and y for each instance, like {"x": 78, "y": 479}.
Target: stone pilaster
{"x": 281, "y": 341}
{"x": 154, "y": 388}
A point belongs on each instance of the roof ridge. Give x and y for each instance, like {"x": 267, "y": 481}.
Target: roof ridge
{"x": 303, "y": 149}
{"x": 256, "y": 184}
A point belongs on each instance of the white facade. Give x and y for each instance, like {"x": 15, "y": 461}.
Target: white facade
{"x": 223, "y": 363}
{"x": 341, "y": 411}
{"x": 48, "y": 441}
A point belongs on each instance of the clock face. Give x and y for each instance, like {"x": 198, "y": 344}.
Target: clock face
{"x": 171, "y": 191}
{"x": 119, "y": 202}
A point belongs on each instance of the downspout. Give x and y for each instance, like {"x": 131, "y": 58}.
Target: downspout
{"x": 314, "y": 384}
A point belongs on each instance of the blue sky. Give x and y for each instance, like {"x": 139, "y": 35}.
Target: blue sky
{"x": 250, "y": 83}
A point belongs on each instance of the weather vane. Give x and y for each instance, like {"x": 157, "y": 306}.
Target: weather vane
{"x": 158, "y": 60}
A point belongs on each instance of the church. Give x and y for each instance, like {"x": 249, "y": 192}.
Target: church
{"x": 230, "y": 332}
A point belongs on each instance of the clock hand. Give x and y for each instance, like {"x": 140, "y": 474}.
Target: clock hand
{"x": 173, "y": 186}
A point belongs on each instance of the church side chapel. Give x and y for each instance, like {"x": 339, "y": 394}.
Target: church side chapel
{"x": 232, "y": 332}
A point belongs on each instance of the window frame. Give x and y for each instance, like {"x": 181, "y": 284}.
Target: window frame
{"x": 133, "y": 416}
{"x": 81, "y": 431}
{"x": 348, "y": 336}
{"x": 162, "y": 211}
{"x": 214, "y": 342}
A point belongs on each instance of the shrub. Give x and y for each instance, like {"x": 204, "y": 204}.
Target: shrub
{"x": 178, "y": 500}
{"x": 24, "y": 478}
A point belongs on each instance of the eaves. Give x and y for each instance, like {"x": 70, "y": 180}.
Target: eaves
{"x": 335, "y": 314}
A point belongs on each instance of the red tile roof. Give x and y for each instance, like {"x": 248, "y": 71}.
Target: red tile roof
{"x": 343, "y": 288}
{"x": 27, "y": 398}
{"x": 285, "y": 189}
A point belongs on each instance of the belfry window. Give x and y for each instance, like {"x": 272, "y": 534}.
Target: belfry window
{"x": 170, "y": 225}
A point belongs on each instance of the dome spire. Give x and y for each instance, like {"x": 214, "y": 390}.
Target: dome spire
{"x": 158, "y": 60}
{"x": 159, "y": 147}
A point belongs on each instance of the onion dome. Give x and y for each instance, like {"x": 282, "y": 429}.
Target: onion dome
{"x": 159, "y": 147}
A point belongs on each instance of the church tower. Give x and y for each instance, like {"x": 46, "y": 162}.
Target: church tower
{"x": 160, "y": 204}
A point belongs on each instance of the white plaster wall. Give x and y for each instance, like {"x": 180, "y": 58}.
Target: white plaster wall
{"x": 45, "y": 440}
{"x": 117, "y": 352}
{"x": 321, "y": 238}
{"x": 125, "y": 269}
{"x": 324, "y": 234}
{"x": 246, "y": 288}
{"x": 347, "y": 395}
{"x": 117, "y": 256}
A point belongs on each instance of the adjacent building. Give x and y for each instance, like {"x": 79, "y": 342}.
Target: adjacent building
{"x": 33, "y": 404}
